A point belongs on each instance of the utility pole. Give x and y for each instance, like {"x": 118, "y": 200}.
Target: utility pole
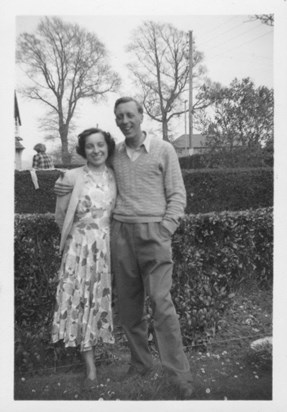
{"x": 185, "y": 129}
{"x": 190, "y": 90}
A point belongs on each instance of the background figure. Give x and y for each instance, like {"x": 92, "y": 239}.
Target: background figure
{"x": 83, "y": 315}
{"x": 41, "y": 160}
{"x": 151, "y": 198}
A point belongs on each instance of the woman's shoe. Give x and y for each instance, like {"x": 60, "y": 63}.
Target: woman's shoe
{"x": 90, "y": 384}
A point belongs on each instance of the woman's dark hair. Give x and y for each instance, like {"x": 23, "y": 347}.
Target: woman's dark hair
{"x": 80, "y": 149}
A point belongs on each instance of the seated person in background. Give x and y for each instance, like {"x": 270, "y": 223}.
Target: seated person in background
{"x": 41, "y": 160}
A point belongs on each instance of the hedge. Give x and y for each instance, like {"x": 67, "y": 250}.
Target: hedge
{"x": 30, "y": 200}
{"x": 208, "y": 190}
{"x": 217, "y": 190}
{"x": 213, "y": 254}
{"x": 238, "y": 157}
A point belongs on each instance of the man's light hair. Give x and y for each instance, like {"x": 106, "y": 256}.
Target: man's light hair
{"x": 128, "y": 99}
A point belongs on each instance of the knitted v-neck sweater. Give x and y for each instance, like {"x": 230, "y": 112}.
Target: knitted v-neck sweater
{"x": 150, "y": 188}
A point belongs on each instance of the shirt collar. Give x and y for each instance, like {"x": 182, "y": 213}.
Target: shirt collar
{"x": 146, "y": 143}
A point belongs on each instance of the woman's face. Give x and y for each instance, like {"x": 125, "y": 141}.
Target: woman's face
{"x": 96, "y": 149}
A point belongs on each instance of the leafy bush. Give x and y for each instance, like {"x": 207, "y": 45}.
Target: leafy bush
{"x": 37, "y": 260}
{"x": 238, "y": 157}
{"x": 223, "y": 157}
{"x": 195, "y": 161}
{"x": 228, "y": 189}
{"x": 208, "y": 190}
{"x": 30, "y": 200}
{"x": 213, "y": 254}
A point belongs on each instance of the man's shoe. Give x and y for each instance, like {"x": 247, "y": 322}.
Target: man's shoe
{"x": 183, "y": 385}
{"x": 185, "y": 390}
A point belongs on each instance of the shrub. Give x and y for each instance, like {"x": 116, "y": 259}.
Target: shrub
{"x": 195, "y": 161}
{"x": 228, "y": 189}
{"x": 37, "y": 260}
{"x": 30, "y": 200}
{"x": 225, "y": 158}
{"x": 213, "y": 254}
{"x": 207, "y": 190}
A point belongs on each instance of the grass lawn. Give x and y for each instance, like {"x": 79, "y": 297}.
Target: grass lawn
{"x": 228, "y": 369}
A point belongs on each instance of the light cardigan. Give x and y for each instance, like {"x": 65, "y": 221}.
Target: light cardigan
{"x": 66, "y": 204}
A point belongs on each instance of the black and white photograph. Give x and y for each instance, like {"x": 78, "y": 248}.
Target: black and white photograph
{"x": 143, "y": 225}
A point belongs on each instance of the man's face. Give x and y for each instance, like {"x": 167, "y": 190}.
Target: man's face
{"x": 129, "y": 120}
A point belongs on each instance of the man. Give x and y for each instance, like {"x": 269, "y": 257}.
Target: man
{"x": 151, "y": 199}
{"x": 41, "y": 160}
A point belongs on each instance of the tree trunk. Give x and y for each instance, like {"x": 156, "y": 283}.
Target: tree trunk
{"x": 66, "y": 157}
{"x": 164, "y": 130}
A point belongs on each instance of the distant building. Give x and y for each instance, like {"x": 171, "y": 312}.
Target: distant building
{"x": 181, "y": 145}
{"x": 18, "y": 146}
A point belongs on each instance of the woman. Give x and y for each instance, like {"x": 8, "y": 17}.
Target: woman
{"x": 83, "y": 301}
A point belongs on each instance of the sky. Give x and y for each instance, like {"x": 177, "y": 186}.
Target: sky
{"x": 233, "y": 46}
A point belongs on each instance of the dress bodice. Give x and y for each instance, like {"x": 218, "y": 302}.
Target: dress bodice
{"x": 97, "y": 200}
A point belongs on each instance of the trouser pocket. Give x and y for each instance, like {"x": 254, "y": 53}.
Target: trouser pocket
{"x": 115, "y": 229}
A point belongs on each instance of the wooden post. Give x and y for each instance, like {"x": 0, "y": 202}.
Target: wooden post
{"x": 185, "y": 130}
{"x": 190, "y": 90}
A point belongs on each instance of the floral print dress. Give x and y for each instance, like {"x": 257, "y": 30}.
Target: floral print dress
{"x": 83, "y": 313}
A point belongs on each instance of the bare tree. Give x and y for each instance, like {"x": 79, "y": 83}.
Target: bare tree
{"x": 56, "y": 154}
{"x": 64, "y": 64}
{"x": 267, "y": 19}
{"x": 160, "y": 70}
{"x": 49, "y": 125}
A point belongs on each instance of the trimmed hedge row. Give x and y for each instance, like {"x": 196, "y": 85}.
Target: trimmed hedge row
{"x": 30, "y": 200}
{"x": 213, "y": 254}
{"x": 208, "y": 190}
{"x": 36, "y": 262}
{"x": 238, "y": 157}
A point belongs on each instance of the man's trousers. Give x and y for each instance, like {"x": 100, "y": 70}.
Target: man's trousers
{"x": 142, "y": 265}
